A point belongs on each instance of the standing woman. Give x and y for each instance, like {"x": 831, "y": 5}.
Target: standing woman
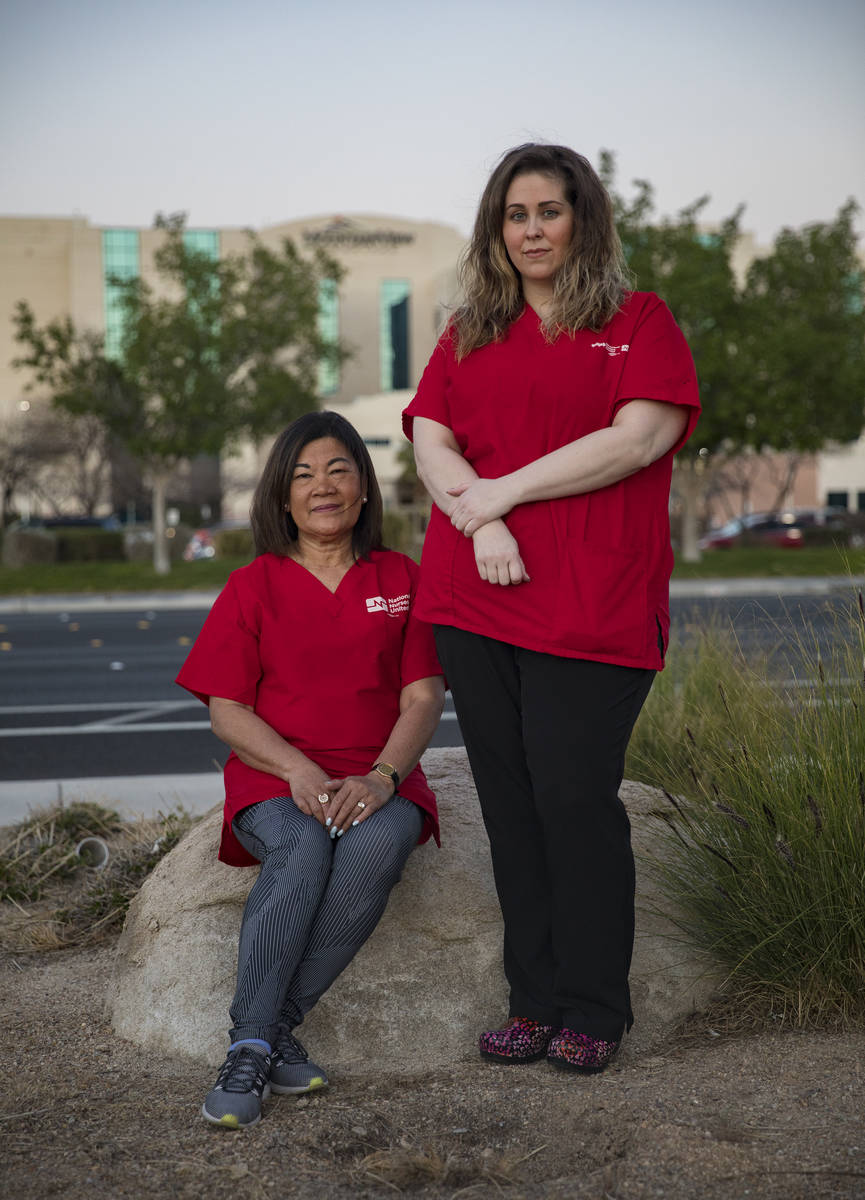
{"x": 544, "y": 429}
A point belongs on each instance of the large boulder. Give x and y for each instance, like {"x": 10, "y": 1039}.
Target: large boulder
{"x": 425, "y": 983}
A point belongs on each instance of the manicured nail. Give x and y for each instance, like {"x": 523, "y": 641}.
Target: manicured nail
{"x": 340, "y": 832}
{"x": 327, "y": 823}
{"x": 355, "y": 823}
{"x": 333, "y": 833}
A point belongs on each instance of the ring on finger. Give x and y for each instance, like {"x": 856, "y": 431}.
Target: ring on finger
{"x": 323, "y": 798}
{"x": 361, "y": 804}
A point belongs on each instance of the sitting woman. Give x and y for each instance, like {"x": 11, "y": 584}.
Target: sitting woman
{"x": 327, "y": 689}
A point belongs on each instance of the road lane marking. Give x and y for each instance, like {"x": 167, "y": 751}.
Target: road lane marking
{"x": 110, "y": 706}
{"x": 107, "y": 727}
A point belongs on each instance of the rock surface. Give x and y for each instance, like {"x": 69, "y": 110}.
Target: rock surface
{"x": 430, "y": 977}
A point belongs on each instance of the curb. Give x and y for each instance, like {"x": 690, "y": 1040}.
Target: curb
{"x": 786, "y": 585}
{"x": 131, "y": 796}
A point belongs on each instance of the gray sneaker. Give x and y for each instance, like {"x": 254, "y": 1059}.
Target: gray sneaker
{"x": 291, "y": 1072}
{"x": 235, "y": 1101}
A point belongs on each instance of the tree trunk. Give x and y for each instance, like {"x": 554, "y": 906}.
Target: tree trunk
{"x": 690, "y": 473}
{"x": 161, "y": 560}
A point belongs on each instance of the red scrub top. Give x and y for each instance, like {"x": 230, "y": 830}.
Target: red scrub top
{"x": 324, "y": 669}
{"x": 600, "y": 563}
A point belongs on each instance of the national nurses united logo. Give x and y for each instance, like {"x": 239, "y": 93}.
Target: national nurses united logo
{"x": 392, "y": 605}
{"x": 613, "y": 351}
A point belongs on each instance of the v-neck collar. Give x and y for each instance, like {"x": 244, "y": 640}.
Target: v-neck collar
{"x": 315, "y": 582}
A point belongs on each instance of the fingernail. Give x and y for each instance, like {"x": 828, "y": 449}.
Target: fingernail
{"x": 340, "y": 832}
{"x": 355, "y": 823}
{"x": 327, "y": 822}
{"x": 333, "y": 833}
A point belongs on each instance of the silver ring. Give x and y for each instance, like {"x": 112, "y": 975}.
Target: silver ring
{"x": 361, "y": 804}
{"x": 323, "y": 798}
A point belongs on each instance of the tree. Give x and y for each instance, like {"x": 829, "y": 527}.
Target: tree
{"x": 805, "y": 342}
{"x": 766, "y": 351}
{"x": 228, "y": 349}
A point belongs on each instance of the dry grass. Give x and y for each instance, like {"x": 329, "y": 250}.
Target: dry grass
{"x": 51, "y": 899}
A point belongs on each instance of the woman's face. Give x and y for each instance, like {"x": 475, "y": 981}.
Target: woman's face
{"x": 325, "y": 496}
{"x": 537, "y": 228}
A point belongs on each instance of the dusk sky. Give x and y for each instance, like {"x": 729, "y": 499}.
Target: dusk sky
{"x": 258, "y": 112}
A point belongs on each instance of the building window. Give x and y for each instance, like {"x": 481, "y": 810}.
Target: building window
{"x": 120, "y": 261}
{"x": 328, "y": 331}
{"x": 394, "y": 298}
{"x": 377, "y": 441}
{"x": 837, "y": 500}
{"x": 205, "y": 241}
{"x": 860, "y": 502}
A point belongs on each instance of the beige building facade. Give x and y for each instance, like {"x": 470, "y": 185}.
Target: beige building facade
{"x": 399, "y": 285}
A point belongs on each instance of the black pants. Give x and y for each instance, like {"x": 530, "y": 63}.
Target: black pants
{"x": 546, "y": 738}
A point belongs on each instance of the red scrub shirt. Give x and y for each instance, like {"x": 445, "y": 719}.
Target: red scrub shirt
{"x": 599, "y": 563}
{"x": 324, "y": 669}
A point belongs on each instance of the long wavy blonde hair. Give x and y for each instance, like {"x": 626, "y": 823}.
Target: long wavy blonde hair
{"x": 590, "y": 285}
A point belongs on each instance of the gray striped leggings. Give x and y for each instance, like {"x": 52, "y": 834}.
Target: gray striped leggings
{"x": 314, "y": 904}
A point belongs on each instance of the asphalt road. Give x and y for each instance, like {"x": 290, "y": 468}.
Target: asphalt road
{"x": 91, "y": 694}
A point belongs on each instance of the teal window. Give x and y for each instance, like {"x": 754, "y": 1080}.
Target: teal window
{"x": 206, "y": 241}
{"x": 394, "y": 298}
{"x": 120, "y": 261}
{"x": 328, "y": 331}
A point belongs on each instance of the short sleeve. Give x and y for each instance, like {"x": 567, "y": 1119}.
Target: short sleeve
{"x": 431, "y": 397}
{"x": 659, "y": 366}
{"x": 225, "y": 659}
{"x": 419, "y": 659}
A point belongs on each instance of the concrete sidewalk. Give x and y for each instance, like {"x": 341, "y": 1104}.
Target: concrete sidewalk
{"x": 130, "y": 795}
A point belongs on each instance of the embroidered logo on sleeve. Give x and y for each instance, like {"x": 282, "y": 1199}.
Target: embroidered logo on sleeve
{"x": 613, "y": 351}
{"x": 393, "y": 605}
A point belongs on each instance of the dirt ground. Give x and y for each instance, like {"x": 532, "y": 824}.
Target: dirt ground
{"x": 85, "y": 1114}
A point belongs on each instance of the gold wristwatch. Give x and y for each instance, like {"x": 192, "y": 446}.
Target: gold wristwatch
{"x": 389, "y": 772}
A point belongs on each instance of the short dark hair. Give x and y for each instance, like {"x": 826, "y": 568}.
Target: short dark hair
{"x": 273, "y": 529}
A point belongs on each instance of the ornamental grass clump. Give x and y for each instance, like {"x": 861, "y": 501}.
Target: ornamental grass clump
{"x": 765, "y": 801}
{"x": 51, "y": 898}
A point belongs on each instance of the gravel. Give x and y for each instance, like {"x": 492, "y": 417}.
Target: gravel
{"x": 83, "y": 1113}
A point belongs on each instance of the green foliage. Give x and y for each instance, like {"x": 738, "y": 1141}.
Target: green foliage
{"x": 208, "y": 575}
{"x": 89, "y": 545}
{"x": 227, "y": 350}
{"x": 28, "y": 547}
{"x": 805, "y": 343}
{"x": 234, "y": 543}
{"x": 766, "y": 799}
{"x": 780, "y": 359}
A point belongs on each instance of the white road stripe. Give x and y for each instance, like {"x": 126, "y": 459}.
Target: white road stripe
{"x": 108, "y": 727}
{"x": 162, "y": 705}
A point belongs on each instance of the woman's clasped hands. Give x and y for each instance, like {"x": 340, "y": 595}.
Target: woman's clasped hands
{"x": 340, "y": 804}
{"x": 477, "y": 512}
{"x": 477, "y": 503}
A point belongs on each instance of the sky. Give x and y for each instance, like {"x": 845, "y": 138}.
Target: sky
{"x": 254, "y": 112}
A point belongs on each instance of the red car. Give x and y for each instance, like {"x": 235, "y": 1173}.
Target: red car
{"x": 770, "y": 529}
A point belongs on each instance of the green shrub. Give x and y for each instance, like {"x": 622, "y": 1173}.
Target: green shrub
{"x": 403, "y": 529}
{"x": 766, "y": 799}
{"x": 233, "y": 543}
{"x": 28, "y": 547}
{"x": 89, "y": 545}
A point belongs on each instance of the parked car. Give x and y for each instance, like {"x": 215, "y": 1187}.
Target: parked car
{"x": 788, "y": 528}
{"x": 201, "y": 544}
